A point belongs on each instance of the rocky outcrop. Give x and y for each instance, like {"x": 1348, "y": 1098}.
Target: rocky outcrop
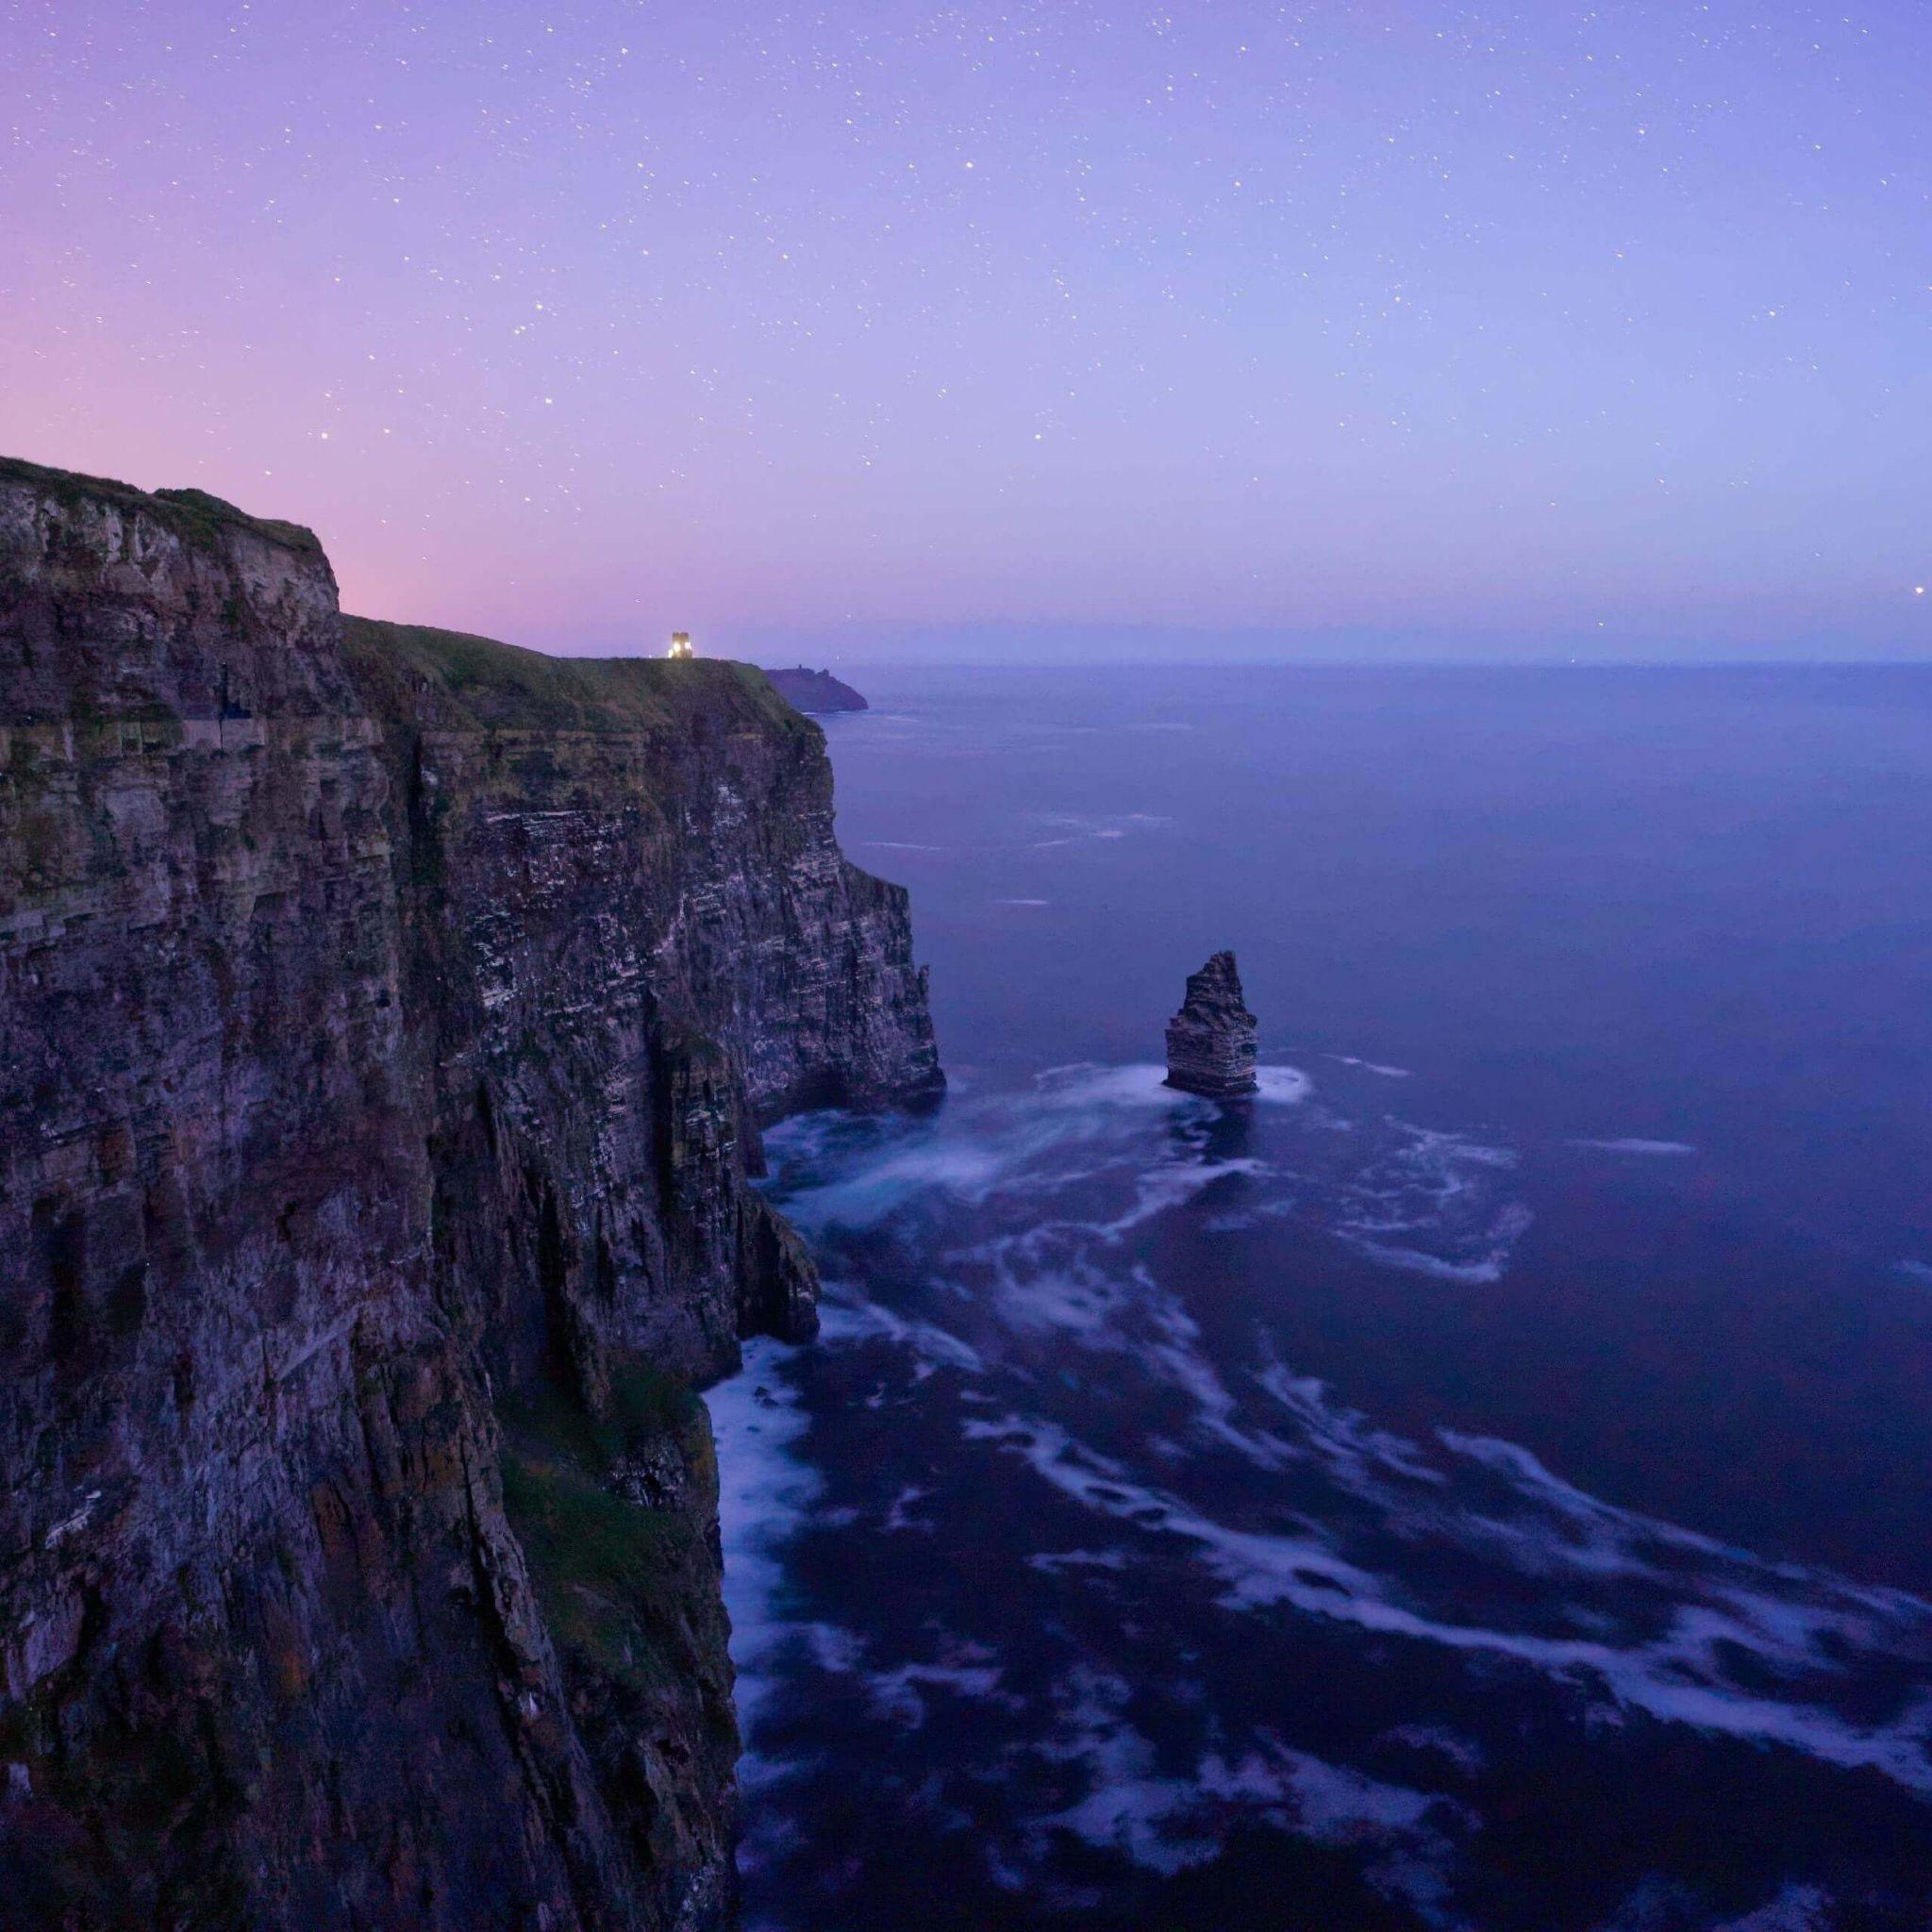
{"x": 1210, "y": 1041}
{"x": 387, "y": 1019}
{"x": 815, "y": 690}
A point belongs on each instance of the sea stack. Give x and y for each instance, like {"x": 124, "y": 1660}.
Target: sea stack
{"x": 1210, "y": 1041}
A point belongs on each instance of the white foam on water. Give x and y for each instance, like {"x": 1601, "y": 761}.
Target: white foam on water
{"x": 900, "y": 1517}
{"x": 1284, "y": 1086}
{"x": 1334, "y": 1804}
{"x": 1168, "y": 1186}
{"x": 1129, "y": 1809}
{"x": 868, "y": 1195}
{"x": 1661, "y": 1149}
{"x": 845, "y": 1316}
{"x": 766, "y": 1493}
{"x": 1475, "y": 1273}
{"x": 901, "y": 1695}
{"x": 1144, "y": 1084}
{"x": 1789, "y": 1609}
{"x": 1076, "y": 1125}
{"x": 1231, "y": 1224}
{"x": 1464, "y": 1752}
{"x": 1053, "y": 1563}
{"x": 1796, "y": 1909}
{"x": 1331, "y": 1802}
{"x": 1057, "y": 1279}
{"x": 1166, "y": 1823}
{"x": 1528, "y": 1476}
{"x": 1651, "y": 1616}
{"x": 1423, "y": 1203}
{"x": 1511, "y": 1223}
{"x": 1348, "y": 1059}
{"x": 1084, "y": 1083}
{"x": 1360, "y": 1453}
{"x": 1069, "y": 829}
{"x": 1676, "y": 1678}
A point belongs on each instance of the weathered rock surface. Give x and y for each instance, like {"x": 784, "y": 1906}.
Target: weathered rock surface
{"x": 1210, "y": 1041}
{"x": 386, "y": 1022}
{"x": 815, "y": 690}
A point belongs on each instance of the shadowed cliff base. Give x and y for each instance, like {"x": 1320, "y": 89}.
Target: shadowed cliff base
{"x": 389, "y": 1020}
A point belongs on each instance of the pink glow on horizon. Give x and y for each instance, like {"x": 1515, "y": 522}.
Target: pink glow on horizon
{"x": 938, "y": 330}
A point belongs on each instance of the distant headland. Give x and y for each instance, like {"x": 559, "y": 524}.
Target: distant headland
{"x": 815, "y": 690}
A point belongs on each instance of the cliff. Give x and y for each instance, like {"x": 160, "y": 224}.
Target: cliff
{"x": 387, "y": 1018}
{"x": 815, "y": 690}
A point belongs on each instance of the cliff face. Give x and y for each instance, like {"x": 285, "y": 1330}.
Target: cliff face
{"x": 816, "y": 690}
{"x": 386, "y": 1021}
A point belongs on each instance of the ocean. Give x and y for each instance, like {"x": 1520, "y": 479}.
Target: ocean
{"x": 1484, "y": 1482}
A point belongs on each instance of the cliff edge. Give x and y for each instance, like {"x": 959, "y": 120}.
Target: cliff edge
{"x": 386, "y": 1019}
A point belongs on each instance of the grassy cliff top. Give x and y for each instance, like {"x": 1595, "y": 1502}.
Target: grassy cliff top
{"x": 480, "y": 682}
{"x": 193, "y": 515}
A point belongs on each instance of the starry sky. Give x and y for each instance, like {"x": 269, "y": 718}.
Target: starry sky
{"x": 1016, "y": 330}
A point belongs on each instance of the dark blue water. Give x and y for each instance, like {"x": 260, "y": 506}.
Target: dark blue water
{"x": 1484, "y": 1482}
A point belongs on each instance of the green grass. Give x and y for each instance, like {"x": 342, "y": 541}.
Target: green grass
{"x": 645, "y": 1405}
{"x": 613, "y": 1576}
{"x": 580, "y": 1534}
{"x": 503, "y": 685}
{"x": 647, "y": 1402}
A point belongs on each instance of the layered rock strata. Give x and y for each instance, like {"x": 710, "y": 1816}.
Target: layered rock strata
{"x": 387, "y": 1019}
{"x": 1210, "y": 1041}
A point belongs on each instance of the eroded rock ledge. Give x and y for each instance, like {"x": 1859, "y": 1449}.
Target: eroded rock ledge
{"x": 387, "y": 1019}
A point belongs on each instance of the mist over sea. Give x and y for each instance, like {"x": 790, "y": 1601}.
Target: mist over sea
{"x": 1486, "y": 1481}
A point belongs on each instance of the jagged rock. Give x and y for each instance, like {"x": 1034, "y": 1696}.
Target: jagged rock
{"x": 1210, "y": 1041}
{"x": 386, "y": 1019}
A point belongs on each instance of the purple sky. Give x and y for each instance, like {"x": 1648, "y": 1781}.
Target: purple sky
{"x": 1039, "y": 329}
